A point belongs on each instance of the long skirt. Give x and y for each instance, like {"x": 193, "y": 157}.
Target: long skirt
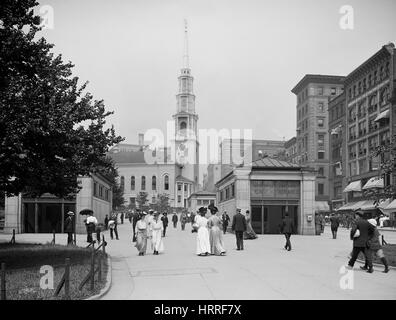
{"x": 249, "y": 233}
{"x": 216, "y": 241}
{"x": 158, "y": 243}
{"x": 141, "y": 241}
{"x": 203, "y": 243}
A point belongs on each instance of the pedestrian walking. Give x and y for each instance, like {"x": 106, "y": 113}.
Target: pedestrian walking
{"x": 106, "y": 222}
{"x": 113, "y": 223}
{"x": 135, "y": 219}
{"x": 215, "y": 233}
{"x": 334, "y": 224}
{"x": 69, "y": 227}
{"x": 360, "y": 233}
{"x": 149, "y": 221}
{"x": 165, "y": 222}
{"x": 201, "y": 223}
{"x": 122, "y": 217}
{"x": 239, "y": 227}
{"x": 183, "y": 221}
{"x": 322, "y": 223}
{"x": 225, "y": 219}
{"x": 249, "y": 233}
{"x": 157, "y": 229}
{"x": 287, "y": 229}
{"x": 91, "y": 223}
{"x": 174, "y": 220}
{"x": 98, "y": 229}
{"x": 141, "y": 234}
{"x": 374, "y": 247}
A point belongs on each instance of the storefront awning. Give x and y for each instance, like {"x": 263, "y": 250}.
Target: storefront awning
{"x": 351, "y": 206}
{"x": 353, "y": 186}
{"x": 322, "y": 206}
{"x": 382, "y": 115}
{"x": 374, "y": 182}
{"x": 368, "y": 205}
{"x": 390, "y": 208}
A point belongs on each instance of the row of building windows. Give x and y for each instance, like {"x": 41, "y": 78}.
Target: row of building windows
{"x": 143, "y": 183}
{"x": 101, "y": 192}
{"x": 369, "y": 105}
{"x": 337, "y": 112}
{"x": 227, "y": 193}
{"x": 362, "y": 129}
{"x": 370, "y": 80}
{"x": 319, "y": 91}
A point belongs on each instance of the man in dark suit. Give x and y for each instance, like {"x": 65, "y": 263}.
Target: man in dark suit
{"x": 165, "y": 222}
{"x": 360, "y": 239}
{"x": 69, "y": 227}
{"x": 287, "y": 229}
{"x": 334, "y": 224}
{"x": 239, "y": 227}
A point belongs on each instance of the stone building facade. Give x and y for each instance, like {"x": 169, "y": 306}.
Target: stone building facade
{"x": 312, "y": 93}
{"x": 270, "y": 188}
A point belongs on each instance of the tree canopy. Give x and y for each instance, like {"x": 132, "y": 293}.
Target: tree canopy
{"x": 51, "y": 130}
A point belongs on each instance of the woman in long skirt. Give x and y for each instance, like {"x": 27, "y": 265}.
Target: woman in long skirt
{"x": 141, "y": 235}
{"x": 203, "y": 244}
{"x": 249, "y": 233}
{"x": 157, "y": 228}
{"x": 215, "y": 233}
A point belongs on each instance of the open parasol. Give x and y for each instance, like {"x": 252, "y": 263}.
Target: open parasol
{"x": 86, "y": 212}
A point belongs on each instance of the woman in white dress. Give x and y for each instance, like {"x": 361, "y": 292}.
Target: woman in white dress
{"x": 203, "y": 244}
{"x": 157, "y": 228}
{"x": 215, "y": 233}
{"x": 141, "y": 235}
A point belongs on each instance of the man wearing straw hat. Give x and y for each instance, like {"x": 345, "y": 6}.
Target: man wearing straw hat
{"x": 69, "y": 227}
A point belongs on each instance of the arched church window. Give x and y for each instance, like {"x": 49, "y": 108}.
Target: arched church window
{"x": 183, "y": 125}
{"x": 154, "y": 183}
{"x": 166, "y": 182}
{"x": 143, "y": 183}
{"x": 133, "y": 183}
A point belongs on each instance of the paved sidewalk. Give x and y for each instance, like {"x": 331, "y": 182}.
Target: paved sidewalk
{"x": 264, "y": 270}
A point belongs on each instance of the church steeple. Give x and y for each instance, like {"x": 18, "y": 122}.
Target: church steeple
{"x": 185, "y": 97}
{"x": 186, "y": 62}
{"x": 186, "y": 129}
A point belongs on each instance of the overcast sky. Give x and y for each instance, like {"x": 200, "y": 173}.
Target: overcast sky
{"x": 245, "y": 55}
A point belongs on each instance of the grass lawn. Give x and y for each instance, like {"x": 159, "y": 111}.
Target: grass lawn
{"x": 23, "y": 263}
{"x": 390, "y": 254}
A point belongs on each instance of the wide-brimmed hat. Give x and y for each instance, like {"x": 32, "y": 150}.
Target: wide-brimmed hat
{"x": 212, "y": 208}
{"x": 70, "y": 213}
{"x": 202, "y": 210}
{"x": 373, "y": 222}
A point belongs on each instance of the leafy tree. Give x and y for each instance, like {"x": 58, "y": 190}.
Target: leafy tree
{"x": 162, "y": 204}
{"x": 44, "y": 145}
{"x": 142, "y": 200}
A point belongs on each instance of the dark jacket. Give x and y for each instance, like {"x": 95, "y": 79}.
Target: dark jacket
{"x": 225, "y": 219}
{"x": 374, "y": 241}
{"x": 334, "y": 222}
{"x": 114, "y": 218}
{"x": 164, "y": 220}
{"x": 175, "y": 218}
{"x": 69, "y": 224}
{"x": 238, "y": 222}
{"x": 287, "y": 225}
{"x": 366, "y": 230}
